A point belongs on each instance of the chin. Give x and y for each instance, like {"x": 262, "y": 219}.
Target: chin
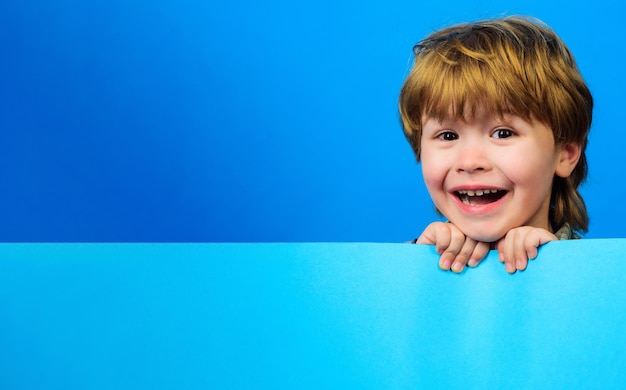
{"x": 483, "y": 238}
{"x": 484, "y": 230}
{"x": 482, "y": 235}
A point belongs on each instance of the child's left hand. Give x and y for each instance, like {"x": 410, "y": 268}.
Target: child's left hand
{"x": 521, "y": 244}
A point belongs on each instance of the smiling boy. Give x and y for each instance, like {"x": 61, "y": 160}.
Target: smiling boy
{"x": 498, "y": 114}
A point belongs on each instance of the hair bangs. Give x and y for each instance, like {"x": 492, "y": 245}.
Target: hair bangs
{"x": 455, "y": 85}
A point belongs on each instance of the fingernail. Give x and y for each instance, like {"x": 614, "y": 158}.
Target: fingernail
{"x": 446, "y": 264}
{"x": 472, "y": 263}
{"x": 457, "y": 267}
{"x": 510, "y": 268}
{"x": 519, "y": 264}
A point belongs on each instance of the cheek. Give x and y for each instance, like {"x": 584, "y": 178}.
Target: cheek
{"x": 529, "y": 164}
{"x": 532, "y": 175}
{"x": 431, "y": 179}
{"x": 433, "y": 172}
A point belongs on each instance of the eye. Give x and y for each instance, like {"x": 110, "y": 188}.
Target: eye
{"x": 502, "y": 133}
{"x": 448, "y": 136}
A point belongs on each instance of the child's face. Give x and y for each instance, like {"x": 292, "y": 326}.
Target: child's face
{"x": 489, "y": 175}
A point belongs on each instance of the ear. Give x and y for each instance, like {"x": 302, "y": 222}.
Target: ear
{"x": 567, "y": 160}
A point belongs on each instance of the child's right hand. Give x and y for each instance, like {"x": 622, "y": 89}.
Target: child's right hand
{"x": 455, "y": 248}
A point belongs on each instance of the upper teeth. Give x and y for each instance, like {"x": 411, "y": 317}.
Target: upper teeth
{"x": 477, "y": 192}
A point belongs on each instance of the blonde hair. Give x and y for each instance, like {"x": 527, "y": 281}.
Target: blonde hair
{"x": 514, "y": 64}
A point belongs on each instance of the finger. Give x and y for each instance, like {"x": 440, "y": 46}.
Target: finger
{"x": 436, "y": 233}
{"x": 479, "y": 253}
{"x": 454, "y": 247}
{"x": 425, "y": 238}
{"x": 535, "y": 239}
{"x": 528, "y": 241}
{"x": 428, "y": 236}
{"x": 520, "y": 248}
{"x": 500, "y": 248}
{"x": 521, "y": 244}
{"x": 531, "y": 250}
{"x": 508, "y": 253}
{"x": 463, "y": 256}
{"x": 445, "y": 261}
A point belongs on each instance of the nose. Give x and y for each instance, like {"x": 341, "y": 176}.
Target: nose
{"x": 472, "y": 158}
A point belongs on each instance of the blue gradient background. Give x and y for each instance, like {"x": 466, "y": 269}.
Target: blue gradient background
{"x": 246, "y": 120}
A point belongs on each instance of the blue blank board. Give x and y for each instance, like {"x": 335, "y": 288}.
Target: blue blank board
{"x": 312, "y": 315}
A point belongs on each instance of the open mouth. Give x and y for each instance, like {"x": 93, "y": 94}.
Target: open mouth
{"x": 480, "y": 197}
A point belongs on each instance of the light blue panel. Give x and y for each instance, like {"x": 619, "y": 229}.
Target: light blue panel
{"x": 316, "y": 315}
